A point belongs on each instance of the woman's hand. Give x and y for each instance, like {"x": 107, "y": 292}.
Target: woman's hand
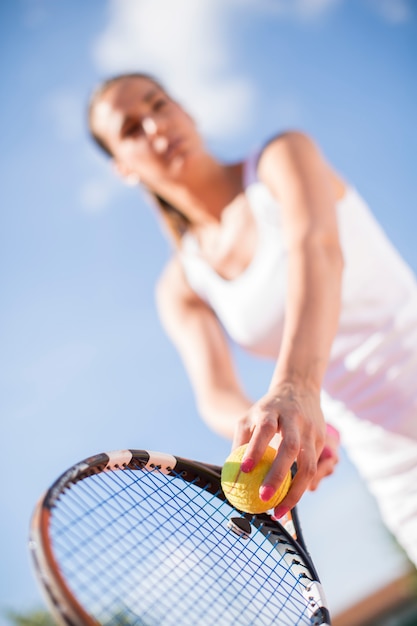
{"x": 328, "y": 458}
{"x": 294, "y": 417}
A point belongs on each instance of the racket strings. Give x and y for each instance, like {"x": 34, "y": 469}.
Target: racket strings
{"x": 221, "y": 555}
{"x": 190, "y": 558}
{"x": 156, "y": 549}
{"x": 113, "y": 539}
{"x": 84, "y": 546}
{"x": 267, "y": 578}
{"x": 86, "y": 512}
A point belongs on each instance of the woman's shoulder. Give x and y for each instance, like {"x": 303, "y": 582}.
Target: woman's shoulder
{"x": 289, "y": 140}
{"x": 275, "y": 149}
{"x": 171, "y": 276}
{"x": 291, "y": 158}
{"x": 172, "y": 285}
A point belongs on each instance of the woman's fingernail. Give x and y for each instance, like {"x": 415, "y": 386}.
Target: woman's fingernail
{"x": 333, "y": 432}
{"x": 247, "y": 465}
{"x": 326, "y": 453}
{"x": 280, "y": 511}
{"x": 266, "y": 492}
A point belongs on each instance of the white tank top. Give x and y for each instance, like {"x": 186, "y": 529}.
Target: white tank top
{"x": 373, "y": 362}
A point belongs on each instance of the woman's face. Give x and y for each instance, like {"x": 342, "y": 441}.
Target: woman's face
{"x": 148, "y": 133}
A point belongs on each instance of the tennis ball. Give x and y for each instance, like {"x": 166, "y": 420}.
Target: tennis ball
{"x": 242, "y": 489}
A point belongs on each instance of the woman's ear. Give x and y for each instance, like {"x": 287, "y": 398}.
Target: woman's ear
{"x": 125, "y": 173}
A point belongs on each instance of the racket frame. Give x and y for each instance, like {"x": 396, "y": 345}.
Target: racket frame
{"x": 64, "y": 607}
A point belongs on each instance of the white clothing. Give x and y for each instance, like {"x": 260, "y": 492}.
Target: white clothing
{"x": 372, "y": 371}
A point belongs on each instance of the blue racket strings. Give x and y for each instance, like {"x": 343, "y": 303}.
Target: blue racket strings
{"x": 145, "y": 548}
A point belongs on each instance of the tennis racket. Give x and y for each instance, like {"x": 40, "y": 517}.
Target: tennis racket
{"x": 148, "y": 539}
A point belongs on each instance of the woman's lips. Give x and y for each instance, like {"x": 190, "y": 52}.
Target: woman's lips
{"x": 173, "y": 148}
{"x": 168, "y": 149}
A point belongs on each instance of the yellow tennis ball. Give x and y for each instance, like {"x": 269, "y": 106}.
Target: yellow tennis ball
{"x": 242, "y": 489}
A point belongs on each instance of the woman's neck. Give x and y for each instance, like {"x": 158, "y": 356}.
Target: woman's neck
{"x": 204, "y": 190}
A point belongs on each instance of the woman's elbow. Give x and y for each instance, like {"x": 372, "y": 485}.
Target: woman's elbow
{"x": 325, "y": 245}
{"x": 215, "y": 421}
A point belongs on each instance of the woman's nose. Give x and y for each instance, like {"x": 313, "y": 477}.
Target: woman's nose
{"x": 153, "y": 131}
{"x": 149, "y": 126}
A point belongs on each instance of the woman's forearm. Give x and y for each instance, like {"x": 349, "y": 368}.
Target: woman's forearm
{"x": 223, "y": 409}
{"x": 312, "y": 313}
{"x": 305, "y": 187}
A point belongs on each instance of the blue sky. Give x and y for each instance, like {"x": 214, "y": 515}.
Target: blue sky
{"x": 85, "y": 366}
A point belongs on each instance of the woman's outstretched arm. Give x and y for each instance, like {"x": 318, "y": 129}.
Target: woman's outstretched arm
{"x": 204, "y": 350}
{"x": 304, "y": 185}
{"x": 195, "y": 331}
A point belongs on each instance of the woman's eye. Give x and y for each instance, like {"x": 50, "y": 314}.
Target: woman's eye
{"x": 132, "y": 129}
{"x": 159, "y": 103}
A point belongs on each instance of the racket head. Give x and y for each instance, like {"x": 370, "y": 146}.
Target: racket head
{"x": 146, "y": 538}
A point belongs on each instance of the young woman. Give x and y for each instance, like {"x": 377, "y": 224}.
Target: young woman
{"x": 280, "y": 253}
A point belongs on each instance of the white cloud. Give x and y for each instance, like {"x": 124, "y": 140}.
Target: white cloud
{"x": 185, "y": 44}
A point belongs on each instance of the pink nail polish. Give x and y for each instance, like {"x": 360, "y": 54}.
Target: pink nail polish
{"x": 333, "y": 432}
{"x": 247, "y": 465}
{"x": 280, "y": 511}
{"x": 266, "y": 492}
{"x": 327, "y": 453}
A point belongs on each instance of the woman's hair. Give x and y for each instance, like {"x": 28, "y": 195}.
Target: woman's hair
{"x": 175, "y": 221}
